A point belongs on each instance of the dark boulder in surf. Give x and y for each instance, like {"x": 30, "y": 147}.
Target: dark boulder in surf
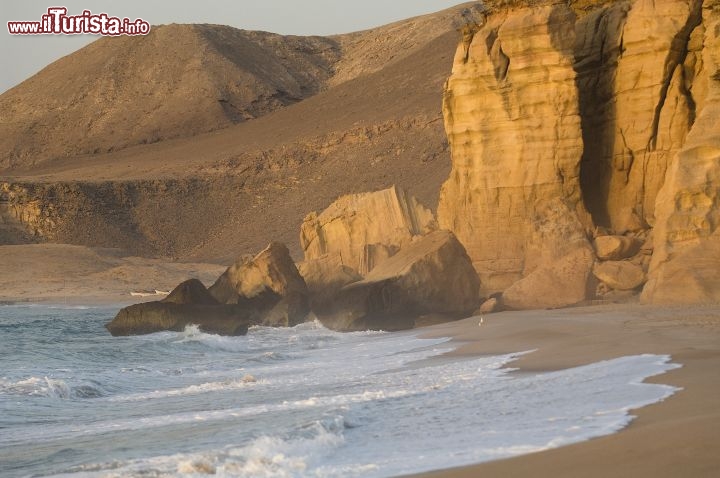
{"x": 269, "y": 283}
{"x": 429, "y": 279}
{"x": 189, "y": 303}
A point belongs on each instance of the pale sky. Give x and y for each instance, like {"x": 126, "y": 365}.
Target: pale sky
{"x": 21, "y": 56}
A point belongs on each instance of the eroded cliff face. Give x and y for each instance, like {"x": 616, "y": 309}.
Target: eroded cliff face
{"x": 685, "y": 265}
{"x": 512, "y": 116}
{"x": 568, "y": 121}
{"x": 363, "y": 229}
{"x": 637, "y": 65}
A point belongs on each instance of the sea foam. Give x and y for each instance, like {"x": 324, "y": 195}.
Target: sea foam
{"x": 301, "y": 401}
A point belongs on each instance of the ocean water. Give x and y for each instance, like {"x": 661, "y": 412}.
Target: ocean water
{"x": 303, "y": 401}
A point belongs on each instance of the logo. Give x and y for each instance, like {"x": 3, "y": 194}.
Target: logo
{"x": 58, "y": 22}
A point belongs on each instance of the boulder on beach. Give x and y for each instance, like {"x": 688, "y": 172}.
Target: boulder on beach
{"x": 269, "y": 283}
{"x": 620, "y": 275}
{"x": 553, "y": 285}
{"x": 189, "y": 303}
{"x": 325, "y": 276}
{"x": 615, "y": 247}
{"x": 385, "y": 219}
{"x": 431, "y": 275}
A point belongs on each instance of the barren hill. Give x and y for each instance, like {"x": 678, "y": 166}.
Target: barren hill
{"x": 179, "y": 80}
{"x": 182, "y": 80}
{"x": 374, "y": 120}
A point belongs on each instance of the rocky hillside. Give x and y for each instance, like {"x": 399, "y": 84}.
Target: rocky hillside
{"x": 376, "y": 121}
{"x": 182, "y": 80}
{"x": 179, "y": 80}
{"x": 568, "y": 124}
{"x": 583, "y": 138}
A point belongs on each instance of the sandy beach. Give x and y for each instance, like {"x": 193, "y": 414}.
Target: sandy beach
{"x": 62, "y": 273}
{"x": 677, "y": 437}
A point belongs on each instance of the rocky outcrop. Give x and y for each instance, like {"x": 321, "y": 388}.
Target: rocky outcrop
{"x": 686, "y": 259}
{"x": 511, "y": 112}
{"x": 268, "y": 282}
{"x": 388, "y": 218}
{"x": 325, "y": 276}
{"x": 188, "y": 304}
{"x": 609, "y": 108}
{"x": 191, "y": 291}
{"x": 265, "y": 289}
{"x": 432, "y": 275}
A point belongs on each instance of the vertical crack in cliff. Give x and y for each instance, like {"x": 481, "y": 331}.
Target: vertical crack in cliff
{"x": 468, "y": 33}
{"x": 500, "y": 61}
{"x": 595, "y": 64}
{"x": 676, "y": 57}
{"x": 685, "y": 85}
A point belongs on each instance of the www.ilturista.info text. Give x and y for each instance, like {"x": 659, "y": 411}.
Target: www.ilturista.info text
{"x": 58, "y": 22}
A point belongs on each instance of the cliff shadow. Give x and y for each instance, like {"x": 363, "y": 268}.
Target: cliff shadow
{"x": 598, "y": 48}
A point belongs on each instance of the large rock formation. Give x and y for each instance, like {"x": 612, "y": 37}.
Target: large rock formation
{"x": 587, "y": 106}
{"x": 188, "y": 304}
{"x": 268, "y": 282}
{"x": 325, "y": 276}
{"x": 389, "y": 218}
{"x": 512, "y": 117}
{"x": 636, "y": 62}
{"x": 432, "y": 275}
{"x": 685, "y": 266}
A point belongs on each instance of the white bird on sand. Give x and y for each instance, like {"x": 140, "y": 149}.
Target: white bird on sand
{"x": 481, "y": 321}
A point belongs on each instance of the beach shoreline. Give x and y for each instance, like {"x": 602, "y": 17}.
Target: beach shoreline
{"x": 672, "y": 438}
{"x": 675, "y": 437}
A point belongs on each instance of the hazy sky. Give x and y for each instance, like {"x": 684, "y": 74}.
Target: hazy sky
{"x": 22, "y": 56}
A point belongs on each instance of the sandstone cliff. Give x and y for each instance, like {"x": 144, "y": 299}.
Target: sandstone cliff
{"x": 686, "y": 262}
{"x": 512, "y": 116}
{"x": 568, "y": 120}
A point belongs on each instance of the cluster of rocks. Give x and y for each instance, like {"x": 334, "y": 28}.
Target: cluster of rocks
{"x": 371, "y": 261}
{"x": 622, "y": 264}
{"x": 262, "y": 290}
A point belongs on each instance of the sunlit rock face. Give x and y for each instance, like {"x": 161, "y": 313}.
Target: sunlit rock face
{"x": 573, "y": 120}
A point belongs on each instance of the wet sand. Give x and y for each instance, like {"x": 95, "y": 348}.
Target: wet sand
{"x": 677, "y": 437}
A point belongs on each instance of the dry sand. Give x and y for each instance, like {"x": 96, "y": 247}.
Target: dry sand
{"x": 679, "y": 437}
{"x": 62, "y": 273}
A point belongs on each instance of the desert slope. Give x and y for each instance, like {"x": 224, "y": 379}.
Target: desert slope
{"x": 212, "y": 196}
{"x": 179, "y": 80}
{"x": 182, "y": 80}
